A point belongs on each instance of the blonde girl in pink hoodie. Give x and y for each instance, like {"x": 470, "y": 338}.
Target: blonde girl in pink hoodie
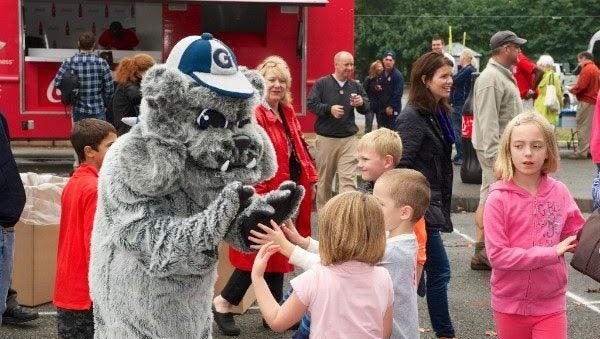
{"x": 530, "y": 221}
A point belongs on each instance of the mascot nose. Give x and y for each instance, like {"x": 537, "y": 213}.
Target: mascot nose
{"x": 241, "y": 142}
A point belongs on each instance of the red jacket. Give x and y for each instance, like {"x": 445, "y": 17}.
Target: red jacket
{"x": 588, "y": 83}
{"x": 277, "y": 134}
{"x": 78, "y": 206}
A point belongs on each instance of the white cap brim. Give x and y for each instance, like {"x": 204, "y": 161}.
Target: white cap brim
{"x": 232, "y": 85}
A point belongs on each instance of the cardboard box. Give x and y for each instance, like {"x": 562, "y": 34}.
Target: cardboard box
{"x": 224, "y": 271}
{"x": 35, "y": 263}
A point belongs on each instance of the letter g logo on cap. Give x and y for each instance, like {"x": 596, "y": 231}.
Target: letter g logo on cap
{"x": 222, "y": 58}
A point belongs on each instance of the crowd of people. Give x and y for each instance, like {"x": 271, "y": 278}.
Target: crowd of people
{"x": 380, "y": 244}
{"x": 104, "y": 94}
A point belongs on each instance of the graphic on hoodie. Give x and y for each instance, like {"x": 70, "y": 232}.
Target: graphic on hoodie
{"x": 547, "y": 222}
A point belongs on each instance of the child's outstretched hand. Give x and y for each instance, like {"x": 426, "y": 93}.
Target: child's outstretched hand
{"x": 262, "y": 258}
{"x": 292, "y": 234}
{"x": 566, "y": 245}
{"x": 272, "y": 234}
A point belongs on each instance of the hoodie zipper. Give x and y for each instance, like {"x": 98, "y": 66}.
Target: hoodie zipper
{"x": 532, "y": 234}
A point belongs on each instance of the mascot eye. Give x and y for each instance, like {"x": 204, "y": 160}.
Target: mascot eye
{"x": 212, "y": 118}
{"x": 243, "y": 123}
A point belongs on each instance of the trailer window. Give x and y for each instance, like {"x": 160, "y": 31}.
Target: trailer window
{"x": 249, "y": 18}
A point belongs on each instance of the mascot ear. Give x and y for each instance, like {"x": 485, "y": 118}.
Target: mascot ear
{"x": 255, "y": 79}
{"x": 154, "y": 164}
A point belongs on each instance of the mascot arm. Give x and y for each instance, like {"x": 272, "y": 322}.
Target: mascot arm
{"x": 152, "y": 165}
{"x": 279, "y": 205}
{"x": 170, "y": 245}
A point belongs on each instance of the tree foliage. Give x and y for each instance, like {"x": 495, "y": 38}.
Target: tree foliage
{"x": 561, "y": 28}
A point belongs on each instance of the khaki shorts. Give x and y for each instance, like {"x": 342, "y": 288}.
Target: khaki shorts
{"x": 487, "y": 176}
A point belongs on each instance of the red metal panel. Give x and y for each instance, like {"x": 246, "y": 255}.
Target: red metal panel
{"x": 330, "y": 30}
{"x": 178, "y": 22}
{"x": 249, "y": 48}
{"x": 277, "y": 2}
{"x": 9, "y": 62}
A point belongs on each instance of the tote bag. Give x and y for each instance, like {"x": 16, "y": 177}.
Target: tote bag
{"x": 551, "y": 100}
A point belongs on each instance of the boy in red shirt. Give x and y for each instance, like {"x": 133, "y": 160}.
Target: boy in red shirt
{"x": 90, "y": 138}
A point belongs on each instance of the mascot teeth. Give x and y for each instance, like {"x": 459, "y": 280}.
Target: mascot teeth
{"x": 225, "y": 166}
{"x": 251, "y": 164}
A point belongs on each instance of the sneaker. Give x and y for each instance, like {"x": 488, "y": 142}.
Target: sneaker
{"x": 458, "y": 162}
{"x": 19, "y": 315}
{"x": 226, "y": 323}
{"x": 480, "y": 262}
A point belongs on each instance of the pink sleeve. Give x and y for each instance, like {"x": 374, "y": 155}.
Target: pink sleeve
{"x": 497, "y": 244}
{"x": 574, "y": 220}
{"x": 304, "y": 286}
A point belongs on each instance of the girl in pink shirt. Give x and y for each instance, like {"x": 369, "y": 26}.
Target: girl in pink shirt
{"x": 530, "y": 222}
{"x": 347, "y": 295}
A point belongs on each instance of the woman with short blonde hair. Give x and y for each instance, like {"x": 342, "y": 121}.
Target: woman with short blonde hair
{"x": 278, "y": 118}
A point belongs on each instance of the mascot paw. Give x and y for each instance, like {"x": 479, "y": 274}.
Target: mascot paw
{"x": 238, "y": 195}
{"x": 285, "y": 200}
{"x": 278, "y": 205}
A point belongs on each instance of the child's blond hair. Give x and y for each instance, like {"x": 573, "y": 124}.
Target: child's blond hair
{"x": 504, "y": 166}
{"x": 382, "y": 141}
{"x": 351, "y": 227}
{"x": 407, "y": 187}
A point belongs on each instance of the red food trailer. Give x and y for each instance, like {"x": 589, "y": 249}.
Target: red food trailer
{"x": 37, "y": 35}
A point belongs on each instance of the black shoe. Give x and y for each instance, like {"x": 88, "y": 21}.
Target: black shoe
{"x": 226, "y": 323}
{"x": 18, "y": 315}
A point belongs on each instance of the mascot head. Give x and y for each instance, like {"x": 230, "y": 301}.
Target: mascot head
{"x": 202, "y": 101}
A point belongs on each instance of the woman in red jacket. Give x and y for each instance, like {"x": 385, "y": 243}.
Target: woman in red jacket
{"x": 276, "y": 115}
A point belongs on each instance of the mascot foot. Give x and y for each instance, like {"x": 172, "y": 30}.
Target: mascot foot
{"x": 226, "y": 323}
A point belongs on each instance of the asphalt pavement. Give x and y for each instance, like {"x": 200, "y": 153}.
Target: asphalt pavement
{"x": 469, "y": 300}
{"x": 469, "y": 295}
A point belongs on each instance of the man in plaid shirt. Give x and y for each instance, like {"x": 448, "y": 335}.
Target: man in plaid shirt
{"x": 95, "y": 80}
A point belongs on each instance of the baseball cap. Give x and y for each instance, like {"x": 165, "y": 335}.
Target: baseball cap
{"x": 505, "y": 37}
{"x": 210, "y": 63}
{"x": 389, "y": 54}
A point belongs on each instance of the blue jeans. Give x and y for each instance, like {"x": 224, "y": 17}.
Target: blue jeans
{"x": 437, "y": 268}
{"x": 7, "y": 252}
{"x": 387, "y": 121}
{"x": 80, "y": 116}
{"x": 457, "y": 127}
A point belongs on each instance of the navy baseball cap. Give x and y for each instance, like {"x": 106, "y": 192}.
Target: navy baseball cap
{"x": 210, "y": 63}
{"x": 389, "y": 54}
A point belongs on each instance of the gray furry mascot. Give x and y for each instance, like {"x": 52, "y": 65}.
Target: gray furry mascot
{"x": 175, "y": 186}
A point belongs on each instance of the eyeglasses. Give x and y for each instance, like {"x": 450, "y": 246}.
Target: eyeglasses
{"x": 516, "y": 47}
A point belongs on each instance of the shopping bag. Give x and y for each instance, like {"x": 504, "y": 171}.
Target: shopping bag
{"x": 551, "y": 100}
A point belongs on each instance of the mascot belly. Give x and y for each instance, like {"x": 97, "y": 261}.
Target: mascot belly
{"x": 175, "y": 186}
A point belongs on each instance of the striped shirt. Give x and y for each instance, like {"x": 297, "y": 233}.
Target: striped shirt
{"x": 95, "y": 82}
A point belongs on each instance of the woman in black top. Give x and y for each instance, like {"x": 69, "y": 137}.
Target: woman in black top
{"x": 127, "y": 97}
{"x": 427, "y": 136}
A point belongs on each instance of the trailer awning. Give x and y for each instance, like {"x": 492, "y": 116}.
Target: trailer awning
{"x": 270, "y": 2}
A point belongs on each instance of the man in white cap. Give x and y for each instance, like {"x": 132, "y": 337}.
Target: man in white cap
{"x": 496, "y": 101}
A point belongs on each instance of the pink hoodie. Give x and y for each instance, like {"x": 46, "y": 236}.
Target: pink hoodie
{"x": 521, "y": 230}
